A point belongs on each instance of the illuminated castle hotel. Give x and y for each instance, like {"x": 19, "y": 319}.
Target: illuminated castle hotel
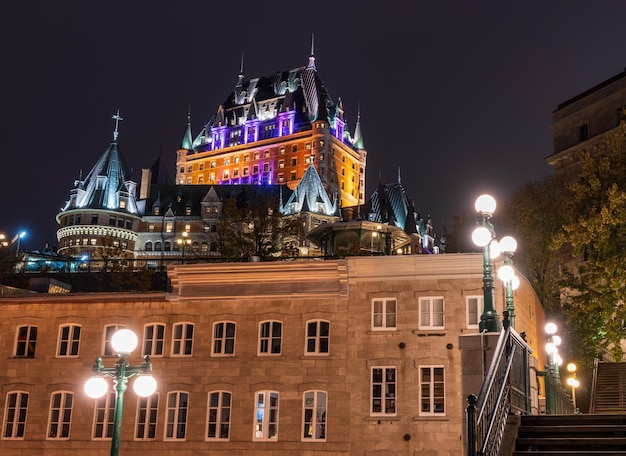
{"x": 279, "y": 138}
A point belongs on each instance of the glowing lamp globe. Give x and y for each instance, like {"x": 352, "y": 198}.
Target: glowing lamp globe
{"x": 556, "y": 340}
{"x": 550, "y": 328}
{"x": 508, "y": 244}
{"x": 145, "y": 385}
{"x": 481, "y": 236}
{"x": 571, "y": 367}
{"x": 573, "y": 382}
{"x": 485, "y": 204}
{"x": 96, "y": 387}
{"x": 551, "y": 348}
{"x": 515, "y": 282}
{"x": 494, "y": 249}
{"x": 506, "y": 273}
{"x": 557, "y": 359}
{"x": 124, "y": 341}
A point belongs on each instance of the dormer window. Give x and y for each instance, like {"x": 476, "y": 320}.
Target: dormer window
{"x": 156, "y": 210}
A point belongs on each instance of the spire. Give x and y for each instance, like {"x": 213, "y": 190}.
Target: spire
{"x": 240, "y": 80}
{"x": 187, "y": 142}
{"x": 117, "y": 122}
{"x": 399, "y": 179}
{"x": 358, "y": 136}
{"x": 312, "y": 56}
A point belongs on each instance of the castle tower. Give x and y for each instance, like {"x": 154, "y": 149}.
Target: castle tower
{"x": 101, "y": 218}
{"x": 269, "y": 129}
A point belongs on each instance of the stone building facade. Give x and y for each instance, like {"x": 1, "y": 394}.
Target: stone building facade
{"x": 351, "y": 357}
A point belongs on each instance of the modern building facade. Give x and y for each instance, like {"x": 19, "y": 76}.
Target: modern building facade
{"x": 349, "y": 357}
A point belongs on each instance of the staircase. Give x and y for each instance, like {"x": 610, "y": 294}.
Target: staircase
{"x": 609, "y": 395}
{"x": 571, "y": 435}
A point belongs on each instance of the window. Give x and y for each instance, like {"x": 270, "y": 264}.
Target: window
{"x": 266, "y": 416}
{"x": 294, "y": 148}
{"x": 26, "y": 342}
{"x": 384, "y": 313}
{"x": 103, "y": 416}
{"x": 474, "y": 310}
{"x": 147, "y": 408}
{"x": 294, "y": 161}
{"x": 218, "y": 420}
{"x": 182, "y": 339}
{"x": 255, "y": 169}
{"x": 69, "y": 340}
{"x": 314, "y": 416}
{"x": 245, "y": 170}
{"x": 223, "y": 338}
{"x": 15, "y": 415}
{"x": 201, "y": 166}
{"x": 169, "y": 227}
{"x": 212, "y": 177}
{"x": 60, "y": 415}
{"x": 189, "y": 168}
{"x": 108, "y": 333}
{"x": 256, "y": 155}
{"x": 266, "y": 154}
{"x": 176, "y": 425}
{"x": 583, "y": 132}
{"x": 293, "y": 175}
{"x": 226, "y": 161}
{"x": 270, "y": 337}
{"x": 431, "y": 313}
{"x": 432, "y": 390}
{"x": 317, "y": 337}
{"x": 383, "y": 391}
{"x": 266, "y": 167}
{"x": 213, "y": 164}
{"x": 153, "y": 337}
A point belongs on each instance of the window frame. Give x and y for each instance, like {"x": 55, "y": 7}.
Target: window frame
{"x": 15, "y": 416}
{"x": 173, "y": 416}
{"x": 154, "y": 340}
{"x": 317, "y": 338}
{"x": 183, "y": 341}
{"x": 150, "y": 407}
{"x": 25, "y": 347}
{"x": 72, "y": 340}
{"x": 314, "y": 421}
{"x": 384, "y": 326}
{"x": 107, "y": 348}
{"x": 61, "y": 413}
{"x": 431, "y": 312}
{"x": 432, "y": 390}
{"x": 220, "y": 410}
{"x": 103, "y": 415}
{"x": 226, "y": 343}
{"x": 269, "y": 418}
{"x": 480, "y": 306}
{"x": 384, "y": 383}
{"x": 270, "y": 338}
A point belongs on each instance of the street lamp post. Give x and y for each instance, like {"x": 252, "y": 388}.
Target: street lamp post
{"x": 182, "y": 242}
{"x": 553, "y": 342}
{"x": 123, "y": 342}
{"x": 19, "y": 237}
{"x": 573, "y": 382}
{"x": 506, "y": 273}
{"x": 482, "y": 236}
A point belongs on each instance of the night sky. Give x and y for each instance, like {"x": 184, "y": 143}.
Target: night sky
{"x": 458, "y": 94}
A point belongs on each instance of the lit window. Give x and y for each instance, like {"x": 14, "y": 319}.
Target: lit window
{"x": 384, "y": 313}
{"x": 169, "y": 227}
{"x": 218, "y": 421}
{"x": 201, "y": 179}
{"x": 224, "y": 338}
{"x": 432, "y": 390}
{"x": 270, "y": 337}
{"x": 123, "y": 204}
{"x": 245, "y": 171}
{"x": 108, "y": 334}
{"x": 60, "y": 415}
{"x": 211, "y": 177}
{"x": 281, "y": 164}
{"x": 182, "y": 339}
{"x": 151, "y": 227}
{"x": 187, "y": 210}
{"x": 474, "y": 310}
{"x": 213, "y": 164}
{"x": 147, "y": 408}
{"x": 246, "y": 158}
{"x": 15, "y": 415}
{"x": 314, "y": 416}
{"x": 103, "y": 416}
{"x": 431, "y": 313}
{"x": 189, "y": 168}
{"x": 153, "y": 339}
{"x": 69, "y": 340}
{"x": 235, "y": 172}
{"x": 201, "y": 166}
{"x": 236, "y": 160}
{"x": 155, "y": 210}
{"x": 26, "y": 342}
{"x": 322, "y": 143}
{"x": 317, "y": 337}
{"x": 266, "y": 154}
{"x": 226, "y": 161}
{"x": 256, "y": 155}
{"x": 383, "y": 400}
{"x": 266, "y": 167}
{"x": 266, "y": 416}
{"x": 255, "y": 169}
{"x": 177, "y": 407}
{"x": 281, "y": 178}
{"x": 282, "y": 151}
{"x": 307, "y": 146}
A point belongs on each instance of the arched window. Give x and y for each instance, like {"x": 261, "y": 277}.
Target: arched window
{"x": 149, "y": 246}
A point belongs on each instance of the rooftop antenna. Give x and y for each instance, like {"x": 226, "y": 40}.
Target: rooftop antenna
{"x": 312, "y": 56}
{"x": 117, "y": 123}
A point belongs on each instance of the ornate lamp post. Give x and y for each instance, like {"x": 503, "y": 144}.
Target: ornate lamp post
{"x": 573, "y": 382}
{"x": 184, "y": 241}
{"x": 482, "y": 236}
{"x": 123, "y": 342}
{"x": 553, "y": 342}
{"x": 506, "y": 273}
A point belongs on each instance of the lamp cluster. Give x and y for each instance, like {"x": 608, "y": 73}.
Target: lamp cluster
{"x": 552, "y": 349}
{"x": 484, "y": 236}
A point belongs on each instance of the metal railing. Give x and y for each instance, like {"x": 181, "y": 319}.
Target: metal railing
{"x": 505, "y": 389}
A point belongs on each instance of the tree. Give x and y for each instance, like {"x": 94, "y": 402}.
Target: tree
{"x": 594, "y": 288}
{"x": 534, "y": 215}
